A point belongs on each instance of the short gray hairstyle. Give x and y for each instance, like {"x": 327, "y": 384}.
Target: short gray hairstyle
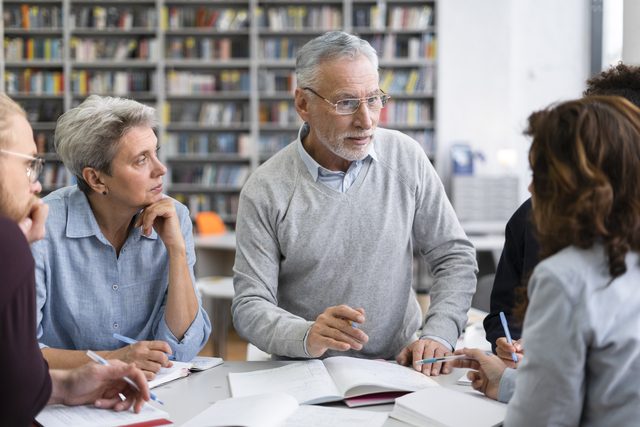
{"x": 332, "y": 46}
{"x": 89, "y": 135}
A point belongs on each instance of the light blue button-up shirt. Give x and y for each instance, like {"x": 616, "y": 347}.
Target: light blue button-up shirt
{"x": 85, "y": 292}
{"x": 337, "y": 180}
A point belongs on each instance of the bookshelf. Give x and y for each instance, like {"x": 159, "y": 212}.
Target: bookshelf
{"x": 219, "y": 72}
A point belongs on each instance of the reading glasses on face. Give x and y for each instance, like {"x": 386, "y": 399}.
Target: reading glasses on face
{"x": 351, "y": 105}
{"x": 35, "y": 165}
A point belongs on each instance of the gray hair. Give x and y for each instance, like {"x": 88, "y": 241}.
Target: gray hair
{"x": 331, "y": 47}
{"x": 89, "y": 135}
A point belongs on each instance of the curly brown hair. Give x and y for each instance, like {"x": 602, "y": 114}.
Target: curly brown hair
{"x": 619, "y": 80}
{"x": 585, "y": 158}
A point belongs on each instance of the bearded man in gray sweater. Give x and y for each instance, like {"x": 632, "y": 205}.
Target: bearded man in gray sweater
{"x": 324, "y": 250}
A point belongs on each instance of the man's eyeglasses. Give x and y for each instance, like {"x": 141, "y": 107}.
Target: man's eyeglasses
{"x": 351, "y": 105}
{"x": 35, "y": 165}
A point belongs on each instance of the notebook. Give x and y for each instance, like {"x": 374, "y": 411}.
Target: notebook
{"x": 182, "y": 369}
{"x": 280, "y": 410}
{"x": 330, "y": 380}
{"x": 444, "y": 407}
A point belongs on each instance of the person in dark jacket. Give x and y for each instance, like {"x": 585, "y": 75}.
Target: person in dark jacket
{"x": 521, "y": 249}
{"x": 27, "y": 383}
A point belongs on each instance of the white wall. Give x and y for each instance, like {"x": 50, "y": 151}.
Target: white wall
{"x": 631, "y": 32}
{"x": 498, "y": 61}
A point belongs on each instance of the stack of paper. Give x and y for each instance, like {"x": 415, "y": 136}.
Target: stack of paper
{"x": 448, "y": 408}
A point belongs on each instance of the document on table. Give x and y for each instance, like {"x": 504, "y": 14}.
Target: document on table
{"x": 330, "y": 380}
{"x": 308, "y": 382}
{"x": 448, "y": 408}
{"x": 164, "y": 375}
{"x": 89, "y": 415}
{"x": 281, "y": 410}
{"x": 182, "y": 369}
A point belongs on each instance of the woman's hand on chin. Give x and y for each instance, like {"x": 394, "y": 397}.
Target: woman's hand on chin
{"x": 163, "y": 217}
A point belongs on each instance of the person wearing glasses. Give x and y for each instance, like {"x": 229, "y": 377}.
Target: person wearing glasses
{"x": 27, "y": 383}
{"x": 118, "y": 255}
{"x": 324, "y": 230}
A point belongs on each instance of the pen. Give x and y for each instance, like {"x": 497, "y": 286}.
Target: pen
{"x": 442, "y": 359}
{"x": 132, "y": 341}
{"x": 101, "y": 361}
{"x": 506, "y": 331}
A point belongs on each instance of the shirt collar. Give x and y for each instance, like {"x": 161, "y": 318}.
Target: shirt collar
{"x": 309, "y": 162}
{"x": 82, "y": 223}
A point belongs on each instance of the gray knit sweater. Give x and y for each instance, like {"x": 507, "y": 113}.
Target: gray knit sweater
{"x": 303, "y": 247}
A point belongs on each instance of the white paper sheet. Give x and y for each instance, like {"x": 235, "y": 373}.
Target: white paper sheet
{"x": 88, "y": 415}
{"x": 320, "y": 416}
{"x": 442, "y": 407}
{"x": 264, "y": 410}
{"x": 281, "y": 410}
{"x": 308, "y": 381}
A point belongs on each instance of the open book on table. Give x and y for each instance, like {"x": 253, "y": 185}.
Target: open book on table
{"x": 281, "y": 410}
{"x": 448, "y": 408}
{"x": 330, "y": 380}
{"x": 182, "y": 369}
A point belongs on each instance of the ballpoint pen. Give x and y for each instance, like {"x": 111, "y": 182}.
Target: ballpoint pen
{"x": 443, "y": 359}
{"x": 129, "y": 381}
{"x": 132, "y": 341}
{"x": 506, "y": 331}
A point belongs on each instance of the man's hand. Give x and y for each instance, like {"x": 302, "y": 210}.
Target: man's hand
{"x": 425, "y": 349}
{"x": 100, "y": 385}
{"x": 162, "y": 216}
{"x": 33, "y": 225}
{"x": 504, "y": 350}
{"x": 488, "y": 370}
{"x": 333, "y": 330}
{"x": 147, "y": 355}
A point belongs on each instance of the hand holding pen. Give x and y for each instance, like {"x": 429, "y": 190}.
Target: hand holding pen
{"x": 442, "y": 359}
{"x": 509, "y": 351}
{"x": 487, "y": 370}
{"x": 132, "y": 341}
{"x": 140, "y": 386}
{"x": 149, "y": 356}
{"x": 337, "y": 329}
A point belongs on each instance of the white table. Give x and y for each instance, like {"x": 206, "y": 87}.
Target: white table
{"x": 185, "y": 398}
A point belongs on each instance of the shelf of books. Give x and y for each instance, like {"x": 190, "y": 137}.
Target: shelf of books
{"x": 219, "y": 72}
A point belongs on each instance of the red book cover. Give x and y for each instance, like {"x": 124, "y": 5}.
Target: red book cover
{"x": 213, "y": 18}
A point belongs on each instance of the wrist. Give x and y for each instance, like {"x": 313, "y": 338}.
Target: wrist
{"x": 59, "y": 385}
{"x": 176, "y": 249}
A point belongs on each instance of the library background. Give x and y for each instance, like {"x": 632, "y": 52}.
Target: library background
{"x": 463, "y": 75}
{"x": 220, "y": 74}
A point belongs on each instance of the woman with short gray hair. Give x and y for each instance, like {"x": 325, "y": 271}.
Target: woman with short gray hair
{"x": 118, "y": 256}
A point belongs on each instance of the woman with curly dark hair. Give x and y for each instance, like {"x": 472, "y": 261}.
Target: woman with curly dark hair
{"x": 582, "y": 323}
